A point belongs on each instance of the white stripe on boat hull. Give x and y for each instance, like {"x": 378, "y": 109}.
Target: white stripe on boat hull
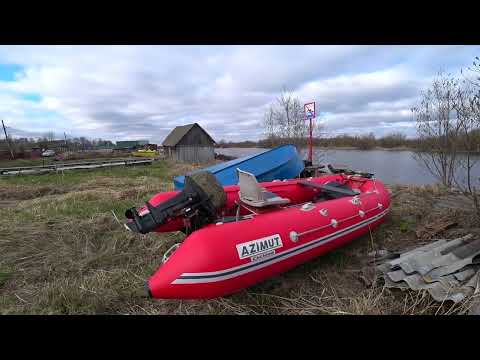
{"x": 214, "y": 276}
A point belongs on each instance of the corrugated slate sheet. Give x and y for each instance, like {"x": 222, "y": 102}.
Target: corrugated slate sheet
{"x": 447, "y": 269}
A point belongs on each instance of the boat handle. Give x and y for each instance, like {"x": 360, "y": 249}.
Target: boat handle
{"x": 167, "y": 254}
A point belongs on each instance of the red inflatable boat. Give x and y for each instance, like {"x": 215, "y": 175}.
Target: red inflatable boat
{"x": 254, "y": 231}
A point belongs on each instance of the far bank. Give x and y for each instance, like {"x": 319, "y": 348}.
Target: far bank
{"x": 391, "y": 166}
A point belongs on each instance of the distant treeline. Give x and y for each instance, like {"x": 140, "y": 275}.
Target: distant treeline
{"x": 24, "y": 146}
{"x": 361, "y": 142}
{"x": 369, "y": 141}
{"x": 80, "y": 142}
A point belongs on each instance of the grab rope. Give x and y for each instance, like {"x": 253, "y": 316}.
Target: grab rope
{"x": 335, "y": 222}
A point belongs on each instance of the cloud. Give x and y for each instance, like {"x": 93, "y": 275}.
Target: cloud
{"x": 124, "y": 92}
{"x": 17, "y": 133}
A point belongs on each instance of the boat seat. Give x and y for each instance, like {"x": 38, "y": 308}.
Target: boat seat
{"x": 251, "y": 193}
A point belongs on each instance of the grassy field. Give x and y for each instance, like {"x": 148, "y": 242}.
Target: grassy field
{"x": 63, "y": 252}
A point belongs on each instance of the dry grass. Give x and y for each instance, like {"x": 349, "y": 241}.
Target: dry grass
{"x": 63, "y": 252}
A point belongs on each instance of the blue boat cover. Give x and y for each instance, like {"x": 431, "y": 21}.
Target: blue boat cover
{"x": 282, "y": 162}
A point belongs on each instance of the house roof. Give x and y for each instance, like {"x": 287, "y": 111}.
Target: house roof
{"x": 179, "y": 132}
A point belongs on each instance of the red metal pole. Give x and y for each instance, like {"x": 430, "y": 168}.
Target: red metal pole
{"x": 310, "y": 141}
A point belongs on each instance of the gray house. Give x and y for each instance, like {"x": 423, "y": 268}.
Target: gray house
{"x": 189, "y": 143}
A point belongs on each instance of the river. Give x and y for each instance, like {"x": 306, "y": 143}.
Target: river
{"x": 392, "y": 167}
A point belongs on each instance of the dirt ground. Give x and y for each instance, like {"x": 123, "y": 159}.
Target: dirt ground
{"x": 63, "y": 252}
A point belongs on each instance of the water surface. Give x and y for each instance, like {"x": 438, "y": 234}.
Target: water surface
{"x": 392, "y": 167}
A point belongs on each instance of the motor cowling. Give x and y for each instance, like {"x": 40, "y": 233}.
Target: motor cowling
{"x": 198, "y": 203}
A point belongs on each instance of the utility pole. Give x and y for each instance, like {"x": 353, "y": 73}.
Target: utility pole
{"x": 8, "y": 141}
{"x": 65, "y": 136}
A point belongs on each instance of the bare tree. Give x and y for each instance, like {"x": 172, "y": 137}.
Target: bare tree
{"x": 49, "y": 136}
{"x": 366, "y": 141}
{"x": 269, "y": 125}
{"x": 438, "y": 128}
{"x": 393, "y": 139}
{"x": 83, "y": 142}
{"x": 473, "y": 73}
{"x": 284, "y": 121}
{"x": 468, "y": 111}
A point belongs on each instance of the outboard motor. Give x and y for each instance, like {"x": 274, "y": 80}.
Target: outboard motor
{"x": 199, "y": 201}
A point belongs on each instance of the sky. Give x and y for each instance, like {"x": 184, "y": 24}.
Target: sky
{"x": 143, "y": 92}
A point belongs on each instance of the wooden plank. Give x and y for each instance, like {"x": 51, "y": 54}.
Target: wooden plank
{"x": 196, "y": 154}
{"x": 65, "y": 164}
{"x": 37, "y": 170}
{"x": 28, "y": 167}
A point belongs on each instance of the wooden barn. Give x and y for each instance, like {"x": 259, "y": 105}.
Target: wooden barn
{"x": 190, "y": 143}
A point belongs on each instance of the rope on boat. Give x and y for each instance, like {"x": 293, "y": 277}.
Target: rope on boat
{"x": 336, "y": 222}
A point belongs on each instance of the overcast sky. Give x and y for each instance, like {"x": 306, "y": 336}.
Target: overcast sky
{"x": 132, "y": 92}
